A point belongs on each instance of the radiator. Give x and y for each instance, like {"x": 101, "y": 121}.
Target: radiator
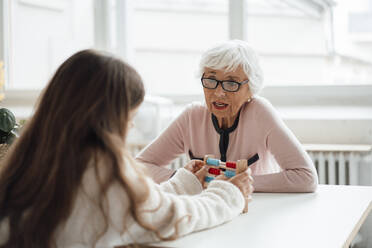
{"x": 338, "y": 164}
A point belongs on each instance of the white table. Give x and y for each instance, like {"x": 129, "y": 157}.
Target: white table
{"x": 329, "y": 218}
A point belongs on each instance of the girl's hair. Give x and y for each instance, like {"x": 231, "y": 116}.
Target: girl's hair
{"x": 231, "y": 54}
{"x": 82, "y": 115}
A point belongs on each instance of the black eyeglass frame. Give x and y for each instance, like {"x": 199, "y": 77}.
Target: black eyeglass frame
{"x": 222, "y": 83}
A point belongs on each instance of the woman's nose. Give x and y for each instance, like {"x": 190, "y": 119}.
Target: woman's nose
{"x": 219, "y": 91}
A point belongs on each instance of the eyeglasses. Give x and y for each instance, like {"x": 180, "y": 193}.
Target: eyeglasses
{"x": 230, "y": 86}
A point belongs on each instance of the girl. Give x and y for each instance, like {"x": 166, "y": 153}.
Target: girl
{"x": 68, "y": 182}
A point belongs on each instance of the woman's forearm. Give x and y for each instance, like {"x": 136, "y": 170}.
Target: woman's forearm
{"x": 291, "y": 180}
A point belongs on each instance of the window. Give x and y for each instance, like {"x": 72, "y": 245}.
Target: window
{"x": 2, "y": 50}
{"x": 41, "y": 35}
{"x": 300, "y": 42}
{"x": 309, "y": 42}
{"x": 169, "y": 37}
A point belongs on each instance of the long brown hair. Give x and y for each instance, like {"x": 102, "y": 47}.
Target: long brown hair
{"x": 82, "y": 112}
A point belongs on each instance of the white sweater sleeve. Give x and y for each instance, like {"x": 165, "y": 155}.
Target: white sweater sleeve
{"x": 181, "y": 211}
{"x": 169, "y": 213}
{"x": 219, "y": 203}
{"x": 182, "y": 183}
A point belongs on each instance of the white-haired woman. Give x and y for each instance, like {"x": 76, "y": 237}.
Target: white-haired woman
{"x": 235, "y": 123}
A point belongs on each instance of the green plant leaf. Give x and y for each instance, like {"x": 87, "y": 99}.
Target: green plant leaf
{"x": 7, "y": 120}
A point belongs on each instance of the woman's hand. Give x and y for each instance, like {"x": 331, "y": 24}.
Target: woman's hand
{"x": 198, "y": 169}
{"x": 244, "y": 182}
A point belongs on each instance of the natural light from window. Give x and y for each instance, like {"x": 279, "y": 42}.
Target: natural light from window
{"x": 323, "y": 42}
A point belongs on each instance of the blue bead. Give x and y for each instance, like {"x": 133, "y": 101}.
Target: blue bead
{"x": 229, "y": 173}
{"x": 208, "y": 179}
{"x": 212, "y": 161}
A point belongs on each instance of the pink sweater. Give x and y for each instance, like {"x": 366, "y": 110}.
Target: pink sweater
{"x": 283, "y": 165}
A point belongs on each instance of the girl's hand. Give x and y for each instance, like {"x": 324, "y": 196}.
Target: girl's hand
{"x": 198, "y": 169}
{"x": 244, "y": 182}
{"x": 194, "y": 165}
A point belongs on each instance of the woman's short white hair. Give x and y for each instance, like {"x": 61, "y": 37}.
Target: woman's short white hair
{"x": 228, "y": 56}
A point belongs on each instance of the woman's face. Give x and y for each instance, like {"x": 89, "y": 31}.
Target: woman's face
{"x": 224, "y": 104}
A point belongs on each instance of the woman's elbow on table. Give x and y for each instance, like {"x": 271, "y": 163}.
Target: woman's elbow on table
{"x": 310, "y": 181}
{"x": 301, "y": 180}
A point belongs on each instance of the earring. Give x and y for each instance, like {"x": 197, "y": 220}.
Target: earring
{"x": 249, "y": 100}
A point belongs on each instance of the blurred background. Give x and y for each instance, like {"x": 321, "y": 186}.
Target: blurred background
{"x": 316, "y": 56}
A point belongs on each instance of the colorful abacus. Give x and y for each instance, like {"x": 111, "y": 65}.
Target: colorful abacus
{"x": 217, "y": 167}
{"x": 229, "y": 169}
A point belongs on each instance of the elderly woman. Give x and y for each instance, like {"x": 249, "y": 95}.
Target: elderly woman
{"x": 235, "y": 123}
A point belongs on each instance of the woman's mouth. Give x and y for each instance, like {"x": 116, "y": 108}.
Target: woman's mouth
{"x": 220, "y": 105}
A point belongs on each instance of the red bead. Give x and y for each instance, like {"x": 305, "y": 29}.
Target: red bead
{"x": 231, "y": 165}
{"x": 214, "y": 171}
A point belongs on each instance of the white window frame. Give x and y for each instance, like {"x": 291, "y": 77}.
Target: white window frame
{"x": 330, "y": 94}
{"x": 4, "y": 38}
{"x": 2, "y": 31}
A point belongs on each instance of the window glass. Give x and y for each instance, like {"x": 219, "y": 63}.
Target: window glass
{"x": 308, "y": 43}
{"x": 42, "y": 34}
{"x": 169, "y": 37}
